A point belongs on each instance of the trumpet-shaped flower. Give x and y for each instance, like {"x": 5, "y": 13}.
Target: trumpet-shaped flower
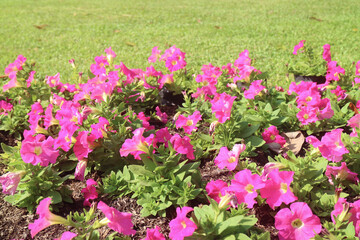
{"x": 46, "y": 218}
{"x": 188, "y": 123}
{"x": 154, "y": 234}
{"x": 183, "y": 146}
{"x": 221, "y": 106}
{"x": 254, "y": 89}
{"x": 84, "y": 145}
{"x": 244, "y": 186}
{"x": 181, "y": 226}
{"x": 10, "y": 181}
{"x": 341, "y": 173}
{"x": 330, "y": 146}
{"x": 228, "y": 158}
{"x": 117, "y": 221}
{"x": 216, "y": 189}
{"x": 89, "y": 191}
{"x": 297, "y": 223}
{"x": 277, "y": 188}
{"x": 137, "y": 144}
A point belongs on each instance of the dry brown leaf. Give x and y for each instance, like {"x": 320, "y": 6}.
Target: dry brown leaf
{"x": 294, "y": 142}
{"x": 42, "y": 26}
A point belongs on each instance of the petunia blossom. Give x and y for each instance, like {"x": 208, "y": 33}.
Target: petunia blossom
{"x": 188, "y": 123}
{"x": 89, "y": 191}
{"x": 154, "y": 234}
{"x": 229, "y": 159}
{"x": 298, "y": 47}
{"x": 181, "y": 226}
{"x": 341, "y": 173}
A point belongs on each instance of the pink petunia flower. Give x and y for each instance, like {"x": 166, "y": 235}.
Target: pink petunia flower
{"x": 341, "y": 209}
{"x": 137, "y": 145}
{"x": 89, "y": 191}
{"x": 98, "y": 67}
{"x": 67, "y": 236}
{"x": 277, "y": 188}
{"x": 188, "y": 123}
{"x": 10, "y": 182}
{"x": 163, "y": 136}
{"x": 244, "y": 186}
{"x": 228, "y": 158}
{"x": 99, "y": 129}
{"x": 5, "y": 107}
{"x": 327, "y": 53}
{"x": 46, "y": 218}
{"x": 298, "y": 47}
{"x": 254, "y": 89}
{"x": 216, "y": 189}
{"x": 183, "y": 146}
{"x": 154, "y": 234}
{"x": 117, "y": 221}
{"x": 334, "y": 71}
{"x": 355, "y": 217}
{"x": 221, "y": 106}
{"x": 297, "y": 223}
{"x": 80, "y": 169}
{"x": 307, "y": 115}
{"x": 181, "y": 226}
{"x": 330, "y": 146}
{"x": 271, "y": 135}
{"x": 110, "y": 54}
{"x": 155, "y": 54}
{"x": 341, "y": 173}
{"x": 84, "y": 145}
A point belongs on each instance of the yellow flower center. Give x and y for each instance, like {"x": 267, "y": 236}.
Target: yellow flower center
{"x": 297, "y": 223}
{"x": 183, "y": 224}
{"x": 306, "y": 116}
{"x": 272, "y": 137}
{"x": 284, "y": 187}
{"x": 37, "y": 150}
{"x": 308, "y": 99}
{"x": 249, "y": 188}
{"x": 189, "y": 122}
{"x": 232, "y": 159}
{"x": 174, "y": 62}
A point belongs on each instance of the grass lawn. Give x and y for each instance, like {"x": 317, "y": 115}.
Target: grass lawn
{"x": 51, "y": 32}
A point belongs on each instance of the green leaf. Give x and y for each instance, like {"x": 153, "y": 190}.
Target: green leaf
{"x": 350, "y": 230}
{"x": 140, "y": 170}
{"x": 255, "y": 141}
{"x": 55, "y": 196}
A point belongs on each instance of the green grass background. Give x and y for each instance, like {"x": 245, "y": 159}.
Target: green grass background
{"x": 213, "y": 31}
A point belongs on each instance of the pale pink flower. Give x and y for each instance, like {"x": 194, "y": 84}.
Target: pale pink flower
{"x": 10, "y": 182}
{"x": 229, "y": 159}
{"x": 46, "y": 218}
{"x": 277, "y": 188}
{"x": 89, "y": 191}
{"x": 244, "y": 186}
{"x": 154, "y": 234}
{"x": 181, "y": 226}
{"x": 117, "y": 221}
{"x": 298, "y": 222}
{"x": 12, "y": 83}
{"x": 298, "y": 47}
{"x": 110, "y": 54}
{"x": 341, "y": 173}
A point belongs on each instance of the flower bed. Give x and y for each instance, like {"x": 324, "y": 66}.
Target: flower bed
{"x": 163, "y": 152}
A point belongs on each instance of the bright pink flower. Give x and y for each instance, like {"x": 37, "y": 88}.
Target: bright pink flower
{"x": 137, "y": 144}
{"x": 98, "y": 67}
{"x": 298, "y": 47}
{"x": 333, "y": 71}
{"x": 308, "y": 98}
{"x": 67, "y": 236}
{"x": 355, "y": 216}
{"x": 46, "y": 218}
{"x": 298, "y": 222}
{"x": 326, "y": 53}
{"x": 307, "y": 115}
{"x": 244, "y": 68}
{"x": 216, "y": 189}
{"x": 167, "y": 78}
{"x": 89, "y": 191}
{"x": 35, "y": 113}
{"x": 154, "y": 234}
{"x": 271, "y": 135}
{"x": 181, "y": 226}
{"x": 354, "y": 122}
{"x": 163, "y": 136}
{"x": 30, "y": 78}
{"x": 183, "y": 146}
{"x": 12, "y": 83}
{"x": 162, "y": 115}
{"x": 15, "y": 66}
{"x": 254, "y": 89}
{"x": 36, "y": 150}
{"x": 84, "y": 145}
{"x": 65, "y": 137}
{"x": 49, "y": 120}
{"x": 145, "y": 121}
{"x": 205, "y": 91}
{"x": 5, "y": 107}
{"x": 357, "y": 68}
{"x": 188, "y": 123}
{"x": 324, "y": 109}
{"x": 221, "y": 106}
{"x": 340, "y": 93}
{"x": 9, "y": 182}
{"x": 98, "y": 129}
{"x": 277, "y": 188}
{"x": 155, "y": 54}
{"x": 244, "y": 186}
{"x": 341, "y": 173}
{"x": 53, "y": 81}
{"x": 341, "y": 206}
{"x": 117, "y": 221}
{"x": 228, "y": 158}
{"x": 174, "y": 59}
{"x": 330, "y": 146}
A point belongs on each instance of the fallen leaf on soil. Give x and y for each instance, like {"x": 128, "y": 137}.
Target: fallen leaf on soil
{"x": 294, "y": 142}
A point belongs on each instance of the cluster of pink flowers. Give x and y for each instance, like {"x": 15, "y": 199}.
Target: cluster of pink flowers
{"x": 208, "y": 80}
{"x": 273, "y": 185}
{"x": 11, "y": 71}
{"x": 173, "y": 57}
{"x": 312, "y": 107}
{"x": 221, "y": 106}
